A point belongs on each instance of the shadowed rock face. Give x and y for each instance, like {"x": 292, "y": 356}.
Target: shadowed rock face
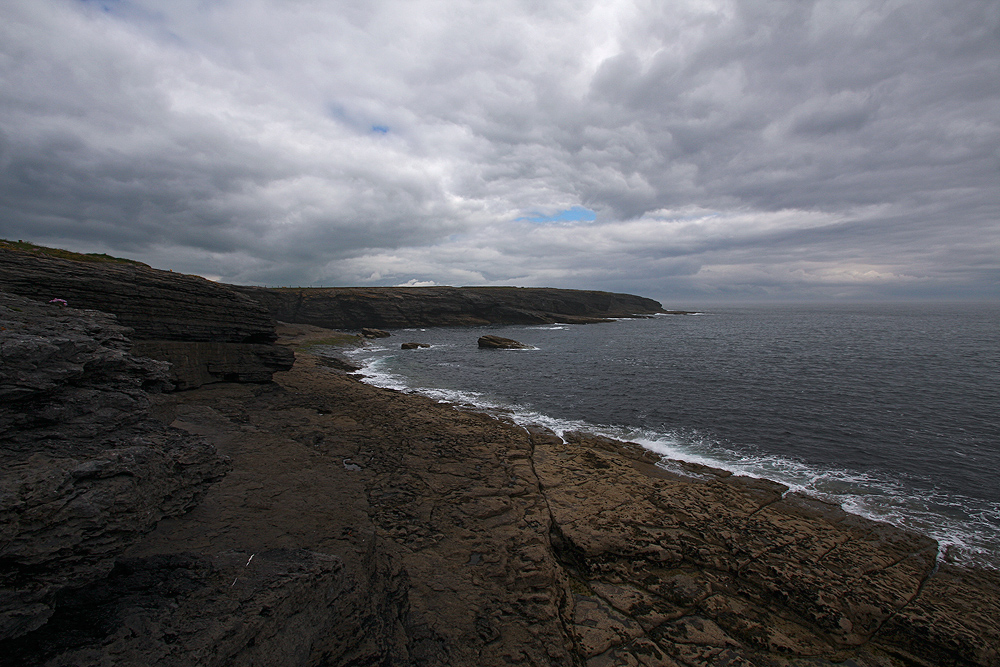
{"x": 401, "y": 307}
{"x": 84, "y": 470}
{"x": 207, "y": 331}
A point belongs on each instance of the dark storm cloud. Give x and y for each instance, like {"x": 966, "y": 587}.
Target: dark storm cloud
{"x": 813, "y": 149}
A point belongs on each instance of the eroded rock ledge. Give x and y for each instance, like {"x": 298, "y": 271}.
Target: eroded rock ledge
{"x": 85, "y": 470}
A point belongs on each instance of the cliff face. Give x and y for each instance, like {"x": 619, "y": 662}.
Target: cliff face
{"x": 86, "y": 473}
{"x": 402, "y": 307}
{"x": 84, "y": 469}
{"x": 208, "y": 332}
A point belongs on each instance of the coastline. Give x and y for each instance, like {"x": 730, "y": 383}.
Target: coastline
{"x": 516, "y": 546}
{"x": 315, "y": 519}
{"x": 664, "y": 405}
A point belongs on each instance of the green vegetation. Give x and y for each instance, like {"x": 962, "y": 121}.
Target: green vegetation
{"x": 26, "y": 246}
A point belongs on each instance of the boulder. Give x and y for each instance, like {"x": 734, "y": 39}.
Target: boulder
{"x": 500, "y": 343}
{"x": 413, "y": 346}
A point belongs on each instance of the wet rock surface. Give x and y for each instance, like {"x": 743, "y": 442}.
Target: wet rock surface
{"x": 404, "y": 307}
{"x": 208, "y": 332}
{"x": 714, "y": 568}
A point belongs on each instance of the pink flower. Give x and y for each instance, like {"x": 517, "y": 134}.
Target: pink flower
{"x": 59, "y": 302}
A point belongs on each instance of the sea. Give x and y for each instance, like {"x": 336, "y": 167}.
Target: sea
{"x": 890, "y": 410}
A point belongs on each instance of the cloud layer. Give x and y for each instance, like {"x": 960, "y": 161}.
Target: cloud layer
{"x": 726, "y": 149}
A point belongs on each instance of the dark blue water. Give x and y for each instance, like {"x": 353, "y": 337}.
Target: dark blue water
{"x": 890, "y": 410}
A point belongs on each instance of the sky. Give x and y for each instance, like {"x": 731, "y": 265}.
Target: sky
{"x": 685, "y": 150}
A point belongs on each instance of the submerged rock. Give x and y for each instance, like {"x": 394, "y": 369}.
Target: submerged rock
{"x": 413, "y": 346}
{"x": 500, "y": 343}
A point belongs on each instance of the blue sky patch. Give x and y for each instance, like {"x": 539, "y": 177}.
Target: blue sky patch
{"x": 380, "y": 129}
{"x": 575, "y": 214}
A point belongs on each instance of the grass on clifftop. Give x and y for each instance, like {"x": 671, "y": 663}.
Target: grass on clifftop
{"x": 26, "y": 246}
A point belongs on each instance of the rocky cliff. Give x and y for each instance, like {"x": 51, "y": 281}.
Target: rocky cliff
{"x": 207, "y": 331}
{"x": 402, "y": 307}
{"x": 85, "y": 470}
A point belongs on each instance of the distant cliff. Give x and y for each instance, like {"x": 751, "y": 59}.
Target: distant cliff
{"x": 401, "y": 307}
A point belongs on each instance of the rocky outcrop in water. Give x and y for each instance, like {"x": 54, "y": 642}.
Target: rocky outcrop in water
{"x": 207, "y": 331}
{"x": 402, "y": 307}
{"x": 501, "y": 343}
{"x": 84, "y": 469}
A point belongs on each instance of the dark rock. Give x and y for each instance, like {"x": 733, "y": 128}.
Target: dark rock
{"x": 500, "y": 343}
{"x": 169, "y": 312}
{"x": 277, "y": 607}
{"x": 156, "y": 305}
{"x": 84, "y": 469}
{"x": 368, "y": 332}
{"x": 413, "y": 346}
{"x": 404, "y": 307}
{"x": 193, "y": 364}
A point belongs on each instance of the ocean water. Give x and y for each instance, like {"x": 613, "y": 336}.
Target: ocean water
{"x": 892, "y": 411}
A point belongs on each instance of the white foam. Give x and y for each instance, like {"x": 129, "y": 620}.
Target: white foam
{"x": 965, "y": 528}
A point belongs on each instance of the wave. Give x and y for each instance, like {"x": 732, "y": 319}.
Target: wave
{"x": 965, "y": 528}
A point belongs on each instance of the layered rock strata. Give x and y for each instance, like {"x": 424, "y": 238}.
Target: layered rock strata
{"x": 445, "y": 537}
{"x": 207, "y": 331}
{"x": 402, "y": 307}
{"x": 84, "y": 469}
